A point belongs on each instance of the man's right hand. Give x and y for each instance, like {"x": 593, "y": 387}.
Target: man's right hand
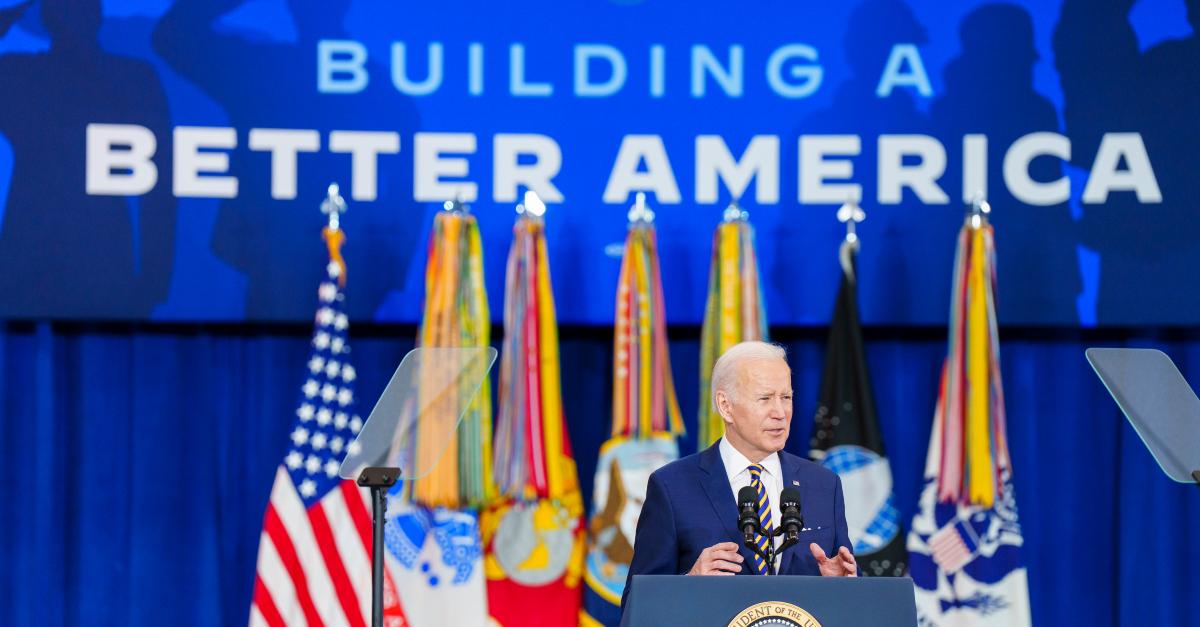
{"x": 718, "y": 559}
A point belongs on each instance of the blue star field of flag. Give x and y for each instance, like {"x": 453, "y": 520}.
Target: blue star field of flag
{"x": 326, "y": 419}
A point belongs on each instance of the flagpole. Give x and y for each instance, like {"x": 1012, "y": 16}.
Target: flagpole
{"x": 379, "y": 479}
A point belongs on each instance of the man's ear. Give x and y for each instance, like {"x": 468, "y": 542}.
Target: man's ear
{"x": 723, "y": 407}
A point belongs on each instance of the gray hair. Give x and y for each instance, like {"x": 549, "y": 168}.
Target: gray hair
{"x": 724, "y": 372}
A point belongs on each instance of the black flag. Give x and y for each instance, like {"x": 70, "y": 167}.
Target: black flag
{"x": 846, "y": 437}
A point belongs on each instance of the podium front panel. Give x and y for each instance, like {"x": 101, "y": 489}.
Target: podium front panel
{"x": 656, "y": 600}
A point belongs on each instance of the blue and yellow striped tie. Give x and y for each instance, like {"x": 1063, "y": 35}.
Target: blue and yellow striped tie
{"x": 764, "y": 517}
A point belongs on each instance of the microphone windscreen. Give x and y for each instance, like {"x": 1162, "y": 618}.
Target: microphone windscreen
{"x": 747, "y": 496}
{"x": 789, "y": 496}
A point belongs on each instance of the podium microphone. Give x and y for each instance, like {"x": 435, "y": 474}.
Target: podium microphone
{"x": 751, "y": 526}
{"x": 748, "y": 515}
{"x": 790, "y": 520}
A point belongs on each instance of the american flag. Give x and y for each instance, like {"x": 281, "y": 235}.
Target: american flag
{"x": 314, "y": 554}
{"x": 954, "y": 546}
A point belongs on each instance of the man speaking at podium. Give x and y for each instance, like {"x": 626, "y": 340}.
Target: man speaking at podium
{"x": 690, "y": 521}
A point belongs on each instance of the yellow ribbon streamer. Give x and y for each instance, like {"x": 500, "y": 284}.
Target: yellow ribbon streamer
{"x": 981, "y": 471}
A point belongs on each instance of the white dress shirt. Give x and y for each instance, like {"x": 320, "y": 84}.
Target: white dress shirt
{"x": 737, "y": 469}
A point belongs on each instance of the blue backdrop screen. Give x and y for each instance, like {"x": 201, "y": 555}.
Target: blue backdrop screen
{"x": 166, "y": 161}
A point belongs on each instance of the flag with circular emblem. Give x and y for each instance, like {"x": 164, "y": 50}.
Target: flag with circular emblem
{"x": 645, "y": 421}
{"x": 534, "y": 534}
{"x": 846, "y": 436}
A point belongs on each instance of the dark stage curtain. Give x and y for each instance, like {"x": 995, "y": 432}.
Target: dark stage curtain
{"x": 137, "y": 461}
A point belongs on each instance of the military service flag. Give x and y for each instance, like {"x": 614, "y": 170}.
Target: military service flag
{"x": 432, "y": 533}
{"x": 534, "y": 533}
{"x": 965, "y": 543}
{"x": 846, "y": 436}
{"x": 645, "y": 421}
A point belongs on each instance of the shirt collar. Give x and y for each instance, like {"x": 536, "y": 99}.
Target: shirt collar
{"x": 736, "y": 463}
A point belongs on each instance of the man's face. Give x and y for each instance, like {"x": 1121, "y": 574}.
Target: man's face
{"x": 758, "y": 414}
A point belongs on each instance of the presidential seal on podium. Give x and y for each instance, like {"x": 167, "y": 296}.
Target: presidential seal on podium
{"x": 774, "y": 614}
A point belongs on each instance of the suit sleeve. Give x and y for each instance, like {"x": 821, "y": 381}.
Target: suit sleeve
{"x": 841, "y": 536}
{"x": 654, "y": 546}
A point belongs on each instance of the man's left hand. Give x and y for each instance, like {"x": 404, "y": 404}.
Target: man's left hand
{"x": 842, "y": 564}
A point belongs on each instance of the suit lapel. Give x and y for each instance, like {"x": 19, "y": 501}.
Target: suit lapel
{"x": 716, "y": 485}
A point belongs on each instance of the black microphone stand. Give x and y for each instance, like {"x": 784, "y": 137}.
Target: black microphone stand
{"x": 768, "y": 556}
{"x": 790, "y": 539}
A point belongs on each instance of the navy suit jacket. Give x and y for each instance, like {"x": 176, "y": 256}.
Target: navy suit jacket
{"x": 690, "y": 507}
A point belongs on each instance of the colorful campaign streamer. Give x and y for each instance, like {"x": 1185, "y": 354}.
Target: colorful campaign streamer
{"x": 534, "y": 535}
{"x": 974, "y": 450}
{"x": 734, "y": 311}
{"x": 644, "y": 400}
{"x": 456, "y": 315}
{"x": 533, "y": 455}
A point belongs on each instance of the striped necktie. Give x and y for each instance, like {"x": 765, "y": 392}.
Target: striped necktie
{"x": 764, "y": 517}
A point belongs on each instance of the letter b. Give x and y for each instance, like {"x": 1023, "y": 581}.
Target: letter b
{"x": 120, "y": 147}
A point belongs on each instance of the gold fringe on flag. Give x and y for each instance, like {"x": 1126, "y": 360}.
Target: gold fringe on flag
{"x": 734, "y": 311}
{"x": 456, "y": 315}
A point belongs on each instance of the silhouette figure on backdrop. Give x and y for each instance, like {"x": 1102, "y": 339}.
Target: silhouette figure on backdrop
{"x": 63, "y": 252}
{"x": 1148, "y": 253}
{"x": 277, "y": 243}
{"x": 888, "y": 265}
{"x": 988, "y": 89}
